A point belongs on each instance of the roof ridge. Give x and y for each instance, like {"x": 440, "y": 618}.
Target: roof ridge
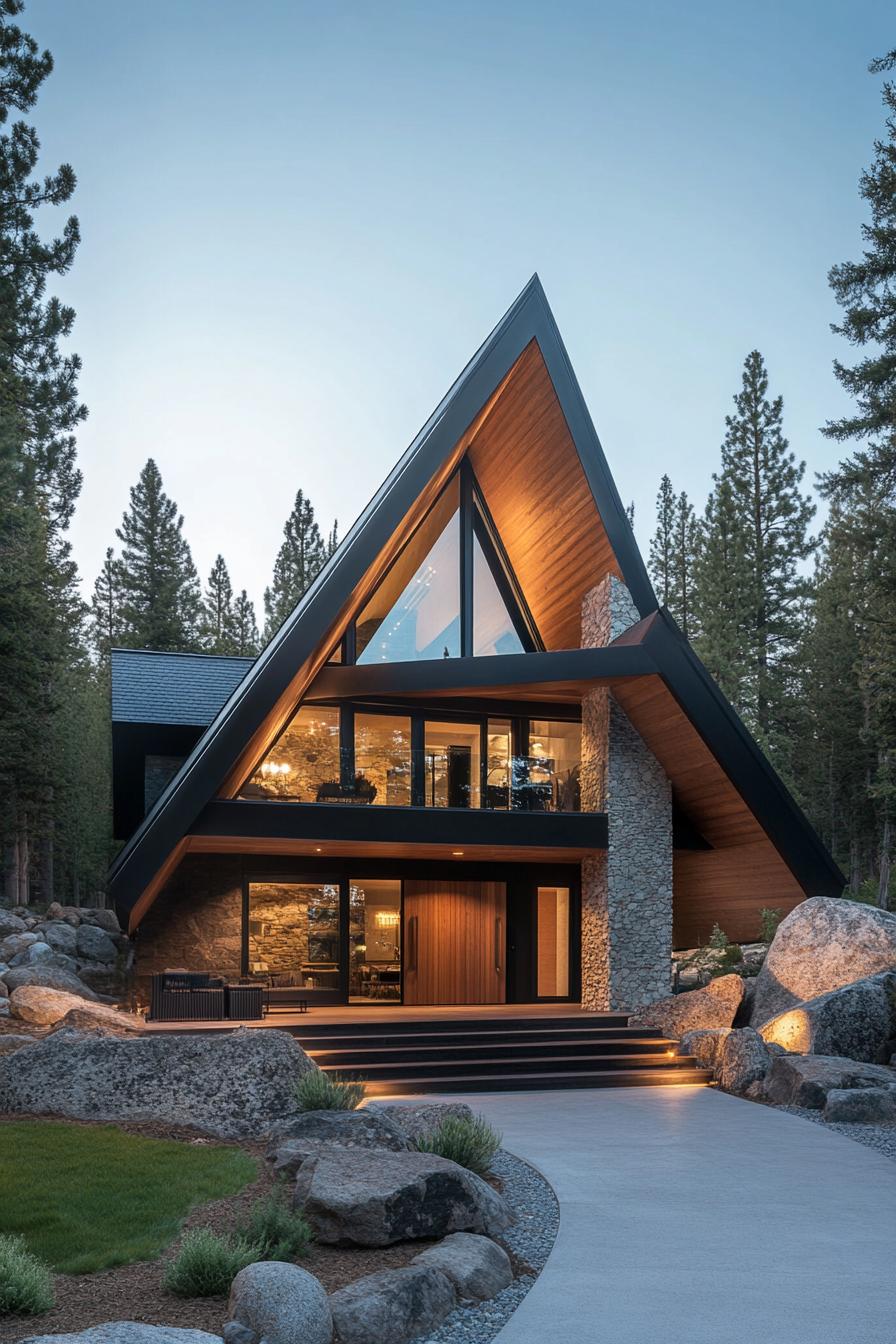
{"x": 187, "y": 653}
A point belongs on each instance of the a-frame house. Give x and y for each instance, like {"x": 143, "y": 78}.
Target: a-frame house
{"x": 478, "y": 763}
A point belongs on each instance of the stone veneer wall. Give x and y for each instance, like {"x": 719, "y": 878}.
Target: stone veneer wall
{"x": 196, "y": 921}
{"x": 626, "y": 892}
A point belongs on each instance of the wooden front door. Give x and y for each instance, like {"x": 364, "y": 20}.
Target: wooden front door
{"x": 454, "y": 942}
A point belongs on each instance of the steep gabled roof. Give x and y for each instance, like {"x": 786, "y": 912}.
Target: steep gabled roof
{"x": 518, "y": 416}
{"x": 188, "y": 688}
{"x": 304, "y": 640}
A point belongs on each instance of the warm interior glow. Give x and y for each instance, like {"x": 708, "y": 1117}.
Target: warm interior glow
{"x": 553, "y": 942}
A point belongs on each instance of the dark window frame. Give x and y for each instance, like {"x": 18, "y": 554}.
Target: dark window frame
{"x": 521, "y": 880}
{"x": 474, "y": 520}
{"x": 419, "y": 713}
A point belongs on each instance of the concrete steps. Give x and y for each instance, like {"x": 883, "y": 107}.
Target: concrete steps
{"x": 513, "y": 1054}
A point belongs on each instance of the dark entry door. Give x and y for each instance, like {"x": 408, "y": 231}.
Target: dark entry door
{"x": 455, "y": 936}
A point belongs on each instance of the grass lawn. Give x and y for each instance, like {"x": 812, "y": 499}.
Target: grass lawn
{"x": 88, "y": 1197}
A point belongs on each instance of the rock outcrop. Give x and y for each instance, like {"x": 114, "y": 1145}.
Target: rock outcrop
{"x": 417, "y": 1118}
{"x": 477, "y": 1266}
{"x": 43, "y": 1007}
{"x": 742, "y": 1059}
{"x": 233, "y": 1084}
{"x": 806, "y": 1080}
{"x": 861, "y": 1106}
{"x": 715, "y": 1005}
{"x": 821, "y": 946}
{"x": 393, "y": 1306}
{"x": 49, "y": 977}
{"x": 314, "y": 1131}
{"x": 858, "y": 1021}
{"x": 374, "y": 1197}
{"x": 278, "y": 1303}
{"x": 704, "y": 1044}
{"x": 129, "y": 1332}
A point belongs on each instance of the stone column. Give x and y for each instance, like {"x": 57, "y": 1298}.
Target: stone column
{"x": 626, "y": 892}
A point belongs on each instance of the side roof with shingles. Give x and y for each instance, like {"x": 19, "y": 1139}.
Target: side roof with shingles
{"x": 184, "y": 688}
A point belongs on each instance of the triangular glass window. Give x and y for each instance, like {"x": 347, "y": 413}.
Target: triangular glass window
{"x": 415, "y": 612}
{"x": 493, "y": 629}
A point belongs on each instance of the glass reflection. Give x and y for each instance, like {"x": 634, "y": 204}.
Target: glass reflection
{"x": 303, "y": 765}
{"x": 415, "y": 612}
{"x": 383, "y": 758}
{"x": 493, "y": 630}
{"x": 451, "y": 764}
{"x": 375, "y": 939}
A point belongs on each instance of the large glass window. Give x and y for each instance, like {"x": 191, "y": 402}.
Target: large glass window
{"x": 551, "y": 776}
{"x": 383, "y": 758}
{"x": 451, "y": 764}
{"x": 294, "y": 934}
{"x": 303, "y": 764}
{"x": 375, "y": 940}
{"x": 493, "y": 630}
{"x": 415, "y": 612}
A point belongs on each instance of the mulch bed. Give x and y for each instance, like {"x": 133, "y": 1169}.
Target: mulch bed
{"x": 134, "y": 1292}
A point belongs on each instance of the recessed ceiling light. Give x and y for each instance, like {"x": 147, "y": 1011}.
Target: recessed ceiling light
{"x": 318, "y": 849}
{"x": 458, "y": 853}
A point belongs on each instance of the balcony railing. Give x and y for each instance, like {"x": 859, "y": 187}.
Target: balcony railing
{"x": 428, "y": 778}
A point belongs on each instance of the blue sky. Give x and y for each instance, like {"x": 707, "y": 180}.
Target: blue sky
{"x": 299, "y": 221}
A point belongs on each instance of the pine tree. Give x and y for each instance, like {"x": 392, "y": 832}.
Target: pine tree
{"x": 765, "y": 586}
{"x": 41, "y": 614}
{"x": 864, "y": 289}
{"x": 661, "y": 543}
{"x": 834, "y": 760}
{"x": 300, "y": 559}
{"x": 217, "y": 610}
{"x": 863, "y": 488}
{"x": 333, "y": 538}
{"x": 723, "y": 596}
{"x": 245, "y": 627}
{"x": 160, "y": 600}
{"x": 105, "y": 608}
{"x": 673, "y": 554}
{"x": 686, "y": 544}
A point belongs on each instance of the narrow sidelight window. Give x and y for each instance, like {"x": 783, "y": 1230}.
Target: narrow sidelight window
{"x": 553, "y": 942}
{"x": 375, "y": 940}
{"x": 498, "y": 765}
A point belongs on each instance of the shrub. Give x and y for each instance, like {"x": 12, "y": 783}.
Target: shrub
{"x": 207, "y": 1263}
{"x": 768, "y": 924}
{"x": 469, "y": 1143}
{"x": 319, "y": 1091}
{"x": 26, "y": 1285}
{"x": 718, "y": 939}
{"x": 275, "y": 1229}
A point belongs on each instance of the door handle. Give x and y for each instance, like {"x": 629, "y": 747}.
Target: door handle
{"x": 412, "y": 943}
{"x": 499, "y": 926}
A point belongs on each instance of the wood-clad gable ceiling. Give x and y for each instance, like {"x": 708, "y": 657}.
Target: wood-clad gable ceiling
{"x": 533, "y": 483}
{"x": 531, "y": 478}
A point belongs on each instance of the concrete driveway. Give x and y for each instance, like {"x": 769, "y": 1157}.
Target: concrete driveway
{"x": 691, "y": 1217}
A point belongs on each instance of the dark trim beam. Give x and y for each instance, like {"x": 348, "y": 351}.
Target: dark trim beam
{"x": 323, "y": 822}
{"x": 511, "y": 672}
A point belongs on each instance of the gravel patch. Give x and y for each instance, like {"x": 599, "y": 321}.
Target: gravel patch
{"x": 528, "y": 1243}
{"x": 882, "y": 1138}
